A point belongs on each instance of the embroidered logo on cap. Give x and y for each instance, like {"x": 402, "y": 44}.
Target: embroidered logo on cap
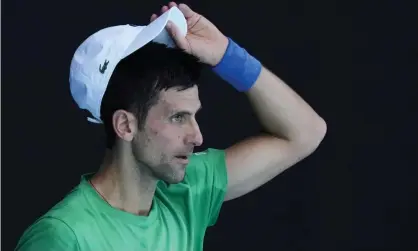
{"x": 103, "y": 68}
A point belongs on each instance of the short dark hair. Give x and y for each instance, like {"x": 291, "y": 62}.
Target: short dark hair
{"x": 138, "y": 79}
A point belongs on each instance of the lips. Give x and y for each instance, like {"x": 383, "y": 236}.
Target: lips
{"x": 183, "y": 155}
{"x": 183, "y": 158}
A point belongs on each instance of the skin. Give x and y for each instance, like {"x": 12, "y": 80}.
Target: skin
{"x": 127, "y": 179}
{"x": 171, "y": 129}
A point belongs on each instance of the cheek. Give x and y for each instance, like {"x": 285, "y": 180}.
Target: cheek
{"x": 171, "y": 137}
{"x": 165, "y": 134}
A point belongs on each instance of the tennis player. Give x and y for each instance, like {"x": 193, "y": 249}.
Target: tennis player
{"x": 152, "y": 191}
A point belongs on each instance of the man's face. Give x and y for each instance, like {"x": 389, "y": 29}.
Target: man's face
{"x": 170, "y": 134}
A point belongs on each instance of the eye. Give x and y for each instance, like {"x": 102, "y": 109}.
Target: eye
{"x": 178, "y": 118}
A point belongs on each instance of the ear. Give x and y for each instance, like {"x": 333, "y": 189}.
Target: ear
{"x": 124, "y": 124}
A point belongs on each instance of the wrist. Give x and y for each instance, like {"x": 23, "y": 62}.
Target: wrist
{"x": 223, "y": 45}
{"x": 238, "y": 67}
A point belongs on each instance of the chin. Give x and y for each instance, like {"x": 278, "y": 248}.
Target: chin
{"x": 171, "y": 173}
{"x": 176, "y": 177}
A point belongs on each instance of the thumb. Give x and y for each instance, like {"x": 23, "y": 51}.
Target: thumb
{"x": 175, "y": 33}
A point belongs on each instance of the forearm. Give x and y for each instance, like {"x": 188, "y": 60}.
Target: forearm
{"x": 283, "y": 113}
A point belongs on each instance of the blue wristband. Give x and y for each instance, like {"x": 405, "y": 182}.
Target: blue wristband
{"x": 238, "y": 67}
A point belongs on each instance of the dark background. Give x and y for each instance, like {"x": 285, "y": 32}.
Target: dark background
{"x": 354, "y": 62}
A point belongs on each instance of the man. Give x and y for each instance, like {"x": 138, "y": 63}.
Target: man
{"x": 152, "y": 192}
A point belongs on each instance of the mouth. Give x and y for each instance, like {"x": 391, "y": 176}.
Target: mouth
{"x": 183, "y": 158}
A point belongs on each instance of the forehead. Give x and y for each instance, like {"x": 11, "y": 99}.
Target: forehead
{"x": 174, "y": 99}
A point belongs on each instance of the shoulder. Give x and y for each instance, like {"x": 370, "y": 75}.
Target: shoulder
{"x": 70, "y": 208}
{"x": 56, "y": 229}
{"x": 210, "y": 156}
{"x": 207, "y": 176}
{"x": 48, "y": 233}
{"x": 209, "y": 160}
{"x": 207, "y": 168}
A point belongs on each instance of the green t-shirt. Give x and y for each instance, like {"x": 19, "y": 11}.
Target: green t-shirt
{"x": 177, "y": 221}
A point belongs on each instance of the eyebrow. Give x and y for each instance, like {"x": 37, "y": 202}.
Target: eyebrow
{"x": 184, "y": 112}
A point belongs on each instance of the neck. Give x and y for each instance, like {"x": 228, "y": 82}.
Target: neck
{"x": 124, "y": 183}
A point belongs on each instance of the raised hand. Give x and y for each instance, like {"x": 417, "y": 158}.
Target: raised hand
{"x": 202, "y": 40}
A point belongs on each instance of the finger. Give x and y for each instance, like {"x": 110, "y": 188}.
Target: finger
{"x": 176, "y": 35}
{"x": 153, "y": 17}
{"x": 172, "y": 4}
{"x": 187, "y": 12}
{"x": 164, "y": 9}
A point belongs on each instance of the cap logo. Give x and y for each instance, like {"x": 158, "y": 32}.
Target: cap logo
{"x": 103, "y": 68}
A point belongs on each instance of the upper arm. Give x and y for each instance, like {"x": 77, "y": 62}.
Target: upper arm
{"x": 48, "y": 234}
{"x": 255, "y": 161}
{"x": 207, "y": 176}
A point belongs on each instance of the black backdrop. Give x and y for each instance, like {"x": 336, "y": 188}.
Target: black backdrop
{"x": 355, "y": 63}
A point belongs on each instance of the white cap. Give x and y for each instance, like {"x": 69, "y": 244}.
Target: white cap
{"x": 96, "y": 58}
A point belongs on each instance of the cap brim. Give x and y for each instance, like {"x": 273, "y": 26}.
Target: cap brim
{"x": 156, "y": 31}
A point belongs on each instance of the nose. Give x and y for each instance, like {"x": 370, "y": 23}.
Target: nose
{"x": 194, "y": 135}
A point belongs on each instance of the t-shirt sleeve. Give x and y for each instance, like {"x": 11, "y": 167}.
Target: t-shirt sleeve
{"x": 208, "y": 179}
{"x": 48, "y": 234}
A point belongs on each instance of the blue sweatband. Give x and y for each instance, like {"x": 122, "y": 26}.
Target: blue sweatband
{"x": 238, "y": 67}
